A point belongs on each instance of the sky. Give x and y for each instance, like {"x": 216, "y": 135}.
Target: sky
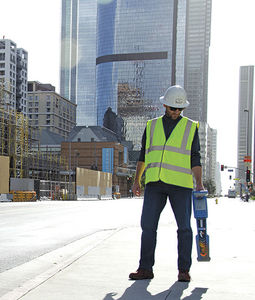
{"x": 35, "y": 26}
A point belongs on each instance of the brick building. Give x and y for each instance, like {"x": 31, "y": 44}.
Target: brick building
{"x": 98, "y": 148}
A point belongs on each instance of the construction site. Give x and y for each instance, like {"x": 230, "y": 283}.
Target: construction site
{"x": 33, "y": 168}
{"x": 21, "y": 144}
{"x": 27, "y": 172}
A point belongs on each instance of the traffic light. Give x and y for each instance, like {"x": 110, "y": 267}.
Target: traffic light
{"x": 222, "y": 167}
{"x": 248, "y": 175}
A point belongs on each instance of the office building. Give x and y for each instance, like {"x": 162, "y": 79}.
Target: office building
{"x": 203, "y": 138}
{"x": 211, "y": 154}
{"x": 218, "y": 179}
{"x": 13, "y": 76}
{"x": 137, "y": 59}
{"x": 245, "y": 120}
{"x": 78, "y": 57}
{"x": 198, "y": 28}
{"x": 143, "y": 48}
{"x": 48, "y": 110}
{"x": 124, "y": 54}
{"x": 208, "y": 152}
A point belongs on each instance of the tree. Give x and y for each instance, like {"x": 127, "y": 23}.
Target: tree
{"x": 115, "y": 123}
{"x": 210, "y": 186}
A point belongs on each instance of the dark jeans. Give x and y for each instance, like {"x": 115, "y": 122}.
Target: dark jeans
{"x": 155, "y": 197}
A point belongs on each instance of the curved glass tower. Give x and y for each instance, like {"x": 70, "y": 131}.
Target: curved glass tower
{"x": 137, "y": 59}
{"x": 124, "y": 54}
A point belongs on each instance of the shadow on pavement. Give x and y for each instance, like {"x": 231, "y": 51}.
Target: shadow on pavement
{"x": 138, "y": 291}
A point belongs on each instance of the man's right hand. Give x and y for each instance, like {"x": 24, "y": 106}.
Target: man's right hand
{"x": 136, "y": 189}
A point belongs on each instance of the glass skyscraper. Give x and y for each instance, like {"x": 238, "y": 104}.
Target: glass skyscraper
{"x": 78, "y": 57}
{"x": 198, "y": 33}
{"x": 137, "y": 59}
{"x": 245, "y": 120}
{"x": 124, "y": 54}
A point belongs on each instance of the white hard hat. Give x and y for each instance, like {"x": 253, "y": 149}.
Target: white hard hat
{"x": 175, "y": 96}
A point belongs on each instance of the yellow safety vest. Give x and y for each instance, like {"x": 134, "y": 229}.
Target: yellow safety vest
{"x": 169, "y": 160}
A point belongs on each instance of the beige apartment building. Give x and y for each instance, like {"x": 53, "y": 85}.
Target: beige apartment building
{"x": 48, "y": 110}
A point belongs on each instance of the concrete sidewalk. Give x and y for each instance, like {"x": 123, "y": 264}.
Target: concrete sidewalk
{"x": 101, "y": 273}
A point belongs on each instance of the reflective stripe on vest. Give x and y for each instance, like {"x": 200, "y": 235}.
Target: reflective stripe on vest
{"x": 169, "y": 160}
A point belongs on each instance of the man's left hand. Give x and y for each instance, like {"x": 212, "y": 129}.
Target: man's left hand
{"x": 200, "y": 187}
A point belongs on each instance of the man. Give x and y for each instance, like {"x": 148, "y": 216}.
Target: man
{"x": 169, "y": 155}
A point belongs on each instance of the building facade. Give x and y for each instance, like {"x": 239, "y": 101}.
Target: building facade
{"x": 208, "y": 152}
{"x": 245, "y": 119}
{"x": 13, "y": 76}
{"x": 78, "y": 57}
{"x": 47, "y": 109}
{"x": 203, "y": 138}
{"x": 167, "y": 43}
{"x": 198, "y": 28}
{"x": 97, "y": 148}
{"x": 212, "y": 154}
{"x": 137, "y": 59}
{"x": 141, "y": 48}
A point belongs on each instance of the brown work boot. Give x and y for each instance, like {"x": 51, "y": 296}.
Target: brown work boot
{"x": 184, "y": 276}
{"x": 141, "y": 274}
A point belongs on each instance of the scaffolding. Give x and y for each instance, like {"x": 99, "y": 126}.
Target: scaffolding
{"x": 21, "y": 143}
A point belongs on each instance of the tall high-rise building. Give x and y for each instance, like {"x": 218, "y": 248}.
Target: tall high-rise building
{"x": 142, "y": 47}
{"x": 198, "y": 28}
{"x": 21, "y": 81}
{"x": 245, "y": 118}
{"x": 137, "y": 59}
{"x": 197, "y": 41}
{"x": 211, "y": 153}
{"x": 208, "y": 152}
{"x": 78, "y": 57}
{"x": 13, "y": 76}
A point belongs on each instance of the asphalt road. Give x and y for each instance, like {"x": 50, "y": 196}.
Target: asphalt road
{"x": 28, "y": 230}
{"x": 31, "y": 229}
